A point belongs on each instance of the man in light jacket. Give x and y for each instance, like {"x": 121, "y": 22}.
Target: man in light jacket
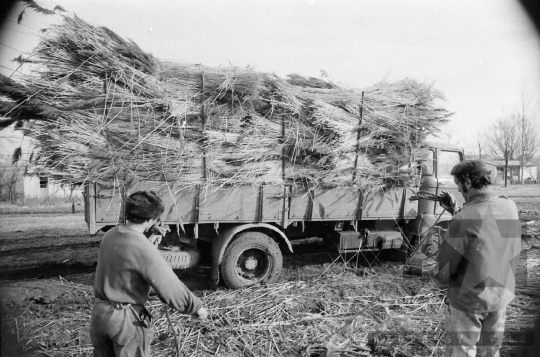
{"x": 477, "y": 261}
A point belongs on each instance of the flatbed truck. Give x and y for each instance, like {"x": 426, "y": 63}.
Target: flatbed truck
{"x": 245, "y": 228}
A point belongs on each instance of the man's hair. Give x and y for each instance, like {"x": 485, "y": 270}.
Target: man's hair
{"x": 475, "y": 170}
{"x": 142, "y": 206}
{"x": 479, "y": 180}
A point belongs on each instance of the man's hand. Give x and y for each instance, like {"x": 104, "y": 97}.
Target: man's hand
{"x": 160, "y": 228}
{"x": 202, "y": 313}
{"x": 448, "y": 202}
{"x": 155, "y": 239}
{"x": 430, "y": 270}
{"x": 430, "y": 267}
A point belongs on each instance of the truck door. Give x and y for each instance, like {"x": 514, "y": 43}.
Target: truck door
{"x": 446, "y": 160}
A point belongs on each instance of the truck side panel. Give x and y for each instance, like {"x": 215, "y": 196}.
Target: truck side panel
{"x": 301, "y": 207}
{"x": 332, "y": 204}
{"x": 335, "y": 204}
{"x": 242, "y": 204}
{"x": 109, "y": 206}
{"x": 341, "y": 204}
{"x": 238, "y": 205}
{"x": 264, "y": 203}
{"x": 180, "y": 204}
{"x": 390, "y": 204}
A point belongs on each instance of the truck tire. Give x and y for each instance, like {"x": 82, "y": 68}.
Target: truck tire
{"x": 187, "y": 257}
{"x": 251, "y": 258}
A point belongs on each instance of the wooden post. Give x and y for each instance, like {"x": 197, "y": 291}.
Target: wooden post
{"x": 124, "y": 197}
{"x": 260, "y": 203}
{"x": 359, "y": 209}
{"x": 203, "y": 126}
{"x": 91, "y": 198}
{"x": 310, "y": 204}
{"x": 283, "y": 163}
{"x": 205, "y": 177}
{"x": 283, "y": 167}
{"x": 198, "y": 193}
{"x": 360, "y": 193}
{"x": 361, "y": 110}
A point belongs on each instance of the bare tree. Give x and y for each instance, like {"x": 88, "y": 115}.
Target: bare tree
{"x": 448, "y": 134}
{"x": 515, "y": 135}
{"x": 525, "y": 117}
{"x": 10, "y": 178}
{"x": 502, "y": 140}
{"x": 12, "y": 174}
{"x": 475, "y": 147}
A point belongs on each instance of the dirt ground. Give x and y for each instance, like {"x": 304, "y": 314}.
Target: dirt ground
{"x": 47, "y": 263}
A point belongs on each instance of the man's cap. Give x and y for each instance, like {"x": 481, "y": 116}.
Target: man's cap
{"x": 470, "y": 167}
{"x": 144, "y": 204}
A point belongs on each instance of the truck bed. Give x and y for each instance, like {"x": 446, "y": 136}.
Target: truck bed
{"x": 248, "y": 204}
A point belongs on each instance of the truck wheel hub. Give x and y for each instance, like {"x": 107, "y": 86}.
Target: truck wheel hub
{"x": 250, "y": 263}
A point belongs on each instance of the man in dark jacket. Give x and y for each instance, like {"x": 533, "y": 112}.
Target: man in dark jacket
{"x": 477, "y": 261}
{"x": 128, "y": 266}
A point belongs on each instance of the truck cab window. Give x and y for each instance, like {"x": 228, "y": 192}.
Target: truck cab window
{"x": 425, "y": 165}
{"x": 446, "y": 161}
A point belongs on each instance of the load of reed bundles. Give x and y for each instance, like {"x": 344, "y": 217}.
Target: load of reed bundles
{"x": 99, "y": 108}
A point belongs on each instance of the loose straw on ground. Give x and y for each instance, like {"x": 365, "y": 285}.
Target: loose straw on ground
{"x": 365, "y": 311}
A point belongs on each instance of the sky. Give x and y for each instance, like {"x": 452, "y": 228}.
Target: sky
{"x": 479, "y": 53}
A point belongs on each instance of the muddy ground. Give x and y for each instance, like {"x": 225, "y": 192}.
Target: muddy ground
{"x": 47, "y": 263}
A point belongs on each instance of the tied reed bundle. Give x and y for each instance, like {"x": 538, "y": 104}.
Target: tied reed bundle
{"x": 97, "y": 107}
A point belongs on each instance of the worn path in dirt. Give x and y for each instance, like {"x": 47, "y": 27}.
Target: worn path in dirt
{"x": 48, "y": 246}
{"x": 42, "y": 246}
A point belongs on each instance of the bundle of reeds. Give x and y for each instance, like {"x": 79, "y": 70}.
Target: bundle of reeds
{"x": 99, "y": 108}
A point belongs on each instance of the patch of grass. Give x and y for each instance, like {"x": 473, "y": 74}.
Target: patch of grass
{"x": 40, "y": 207}
{"x": 517, "y": 190}
{"x": 526, "y": 197}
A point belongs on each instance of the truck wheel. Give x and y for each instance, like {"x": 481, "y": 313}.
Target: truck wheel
{"x": 186, "y": 257}
{"x": 251, "y": 258}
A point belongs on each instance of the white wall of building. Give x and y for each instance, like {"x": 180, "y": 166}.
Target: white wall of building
{"x": 530, "y": 172}
{"x": 36, "y": 187}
